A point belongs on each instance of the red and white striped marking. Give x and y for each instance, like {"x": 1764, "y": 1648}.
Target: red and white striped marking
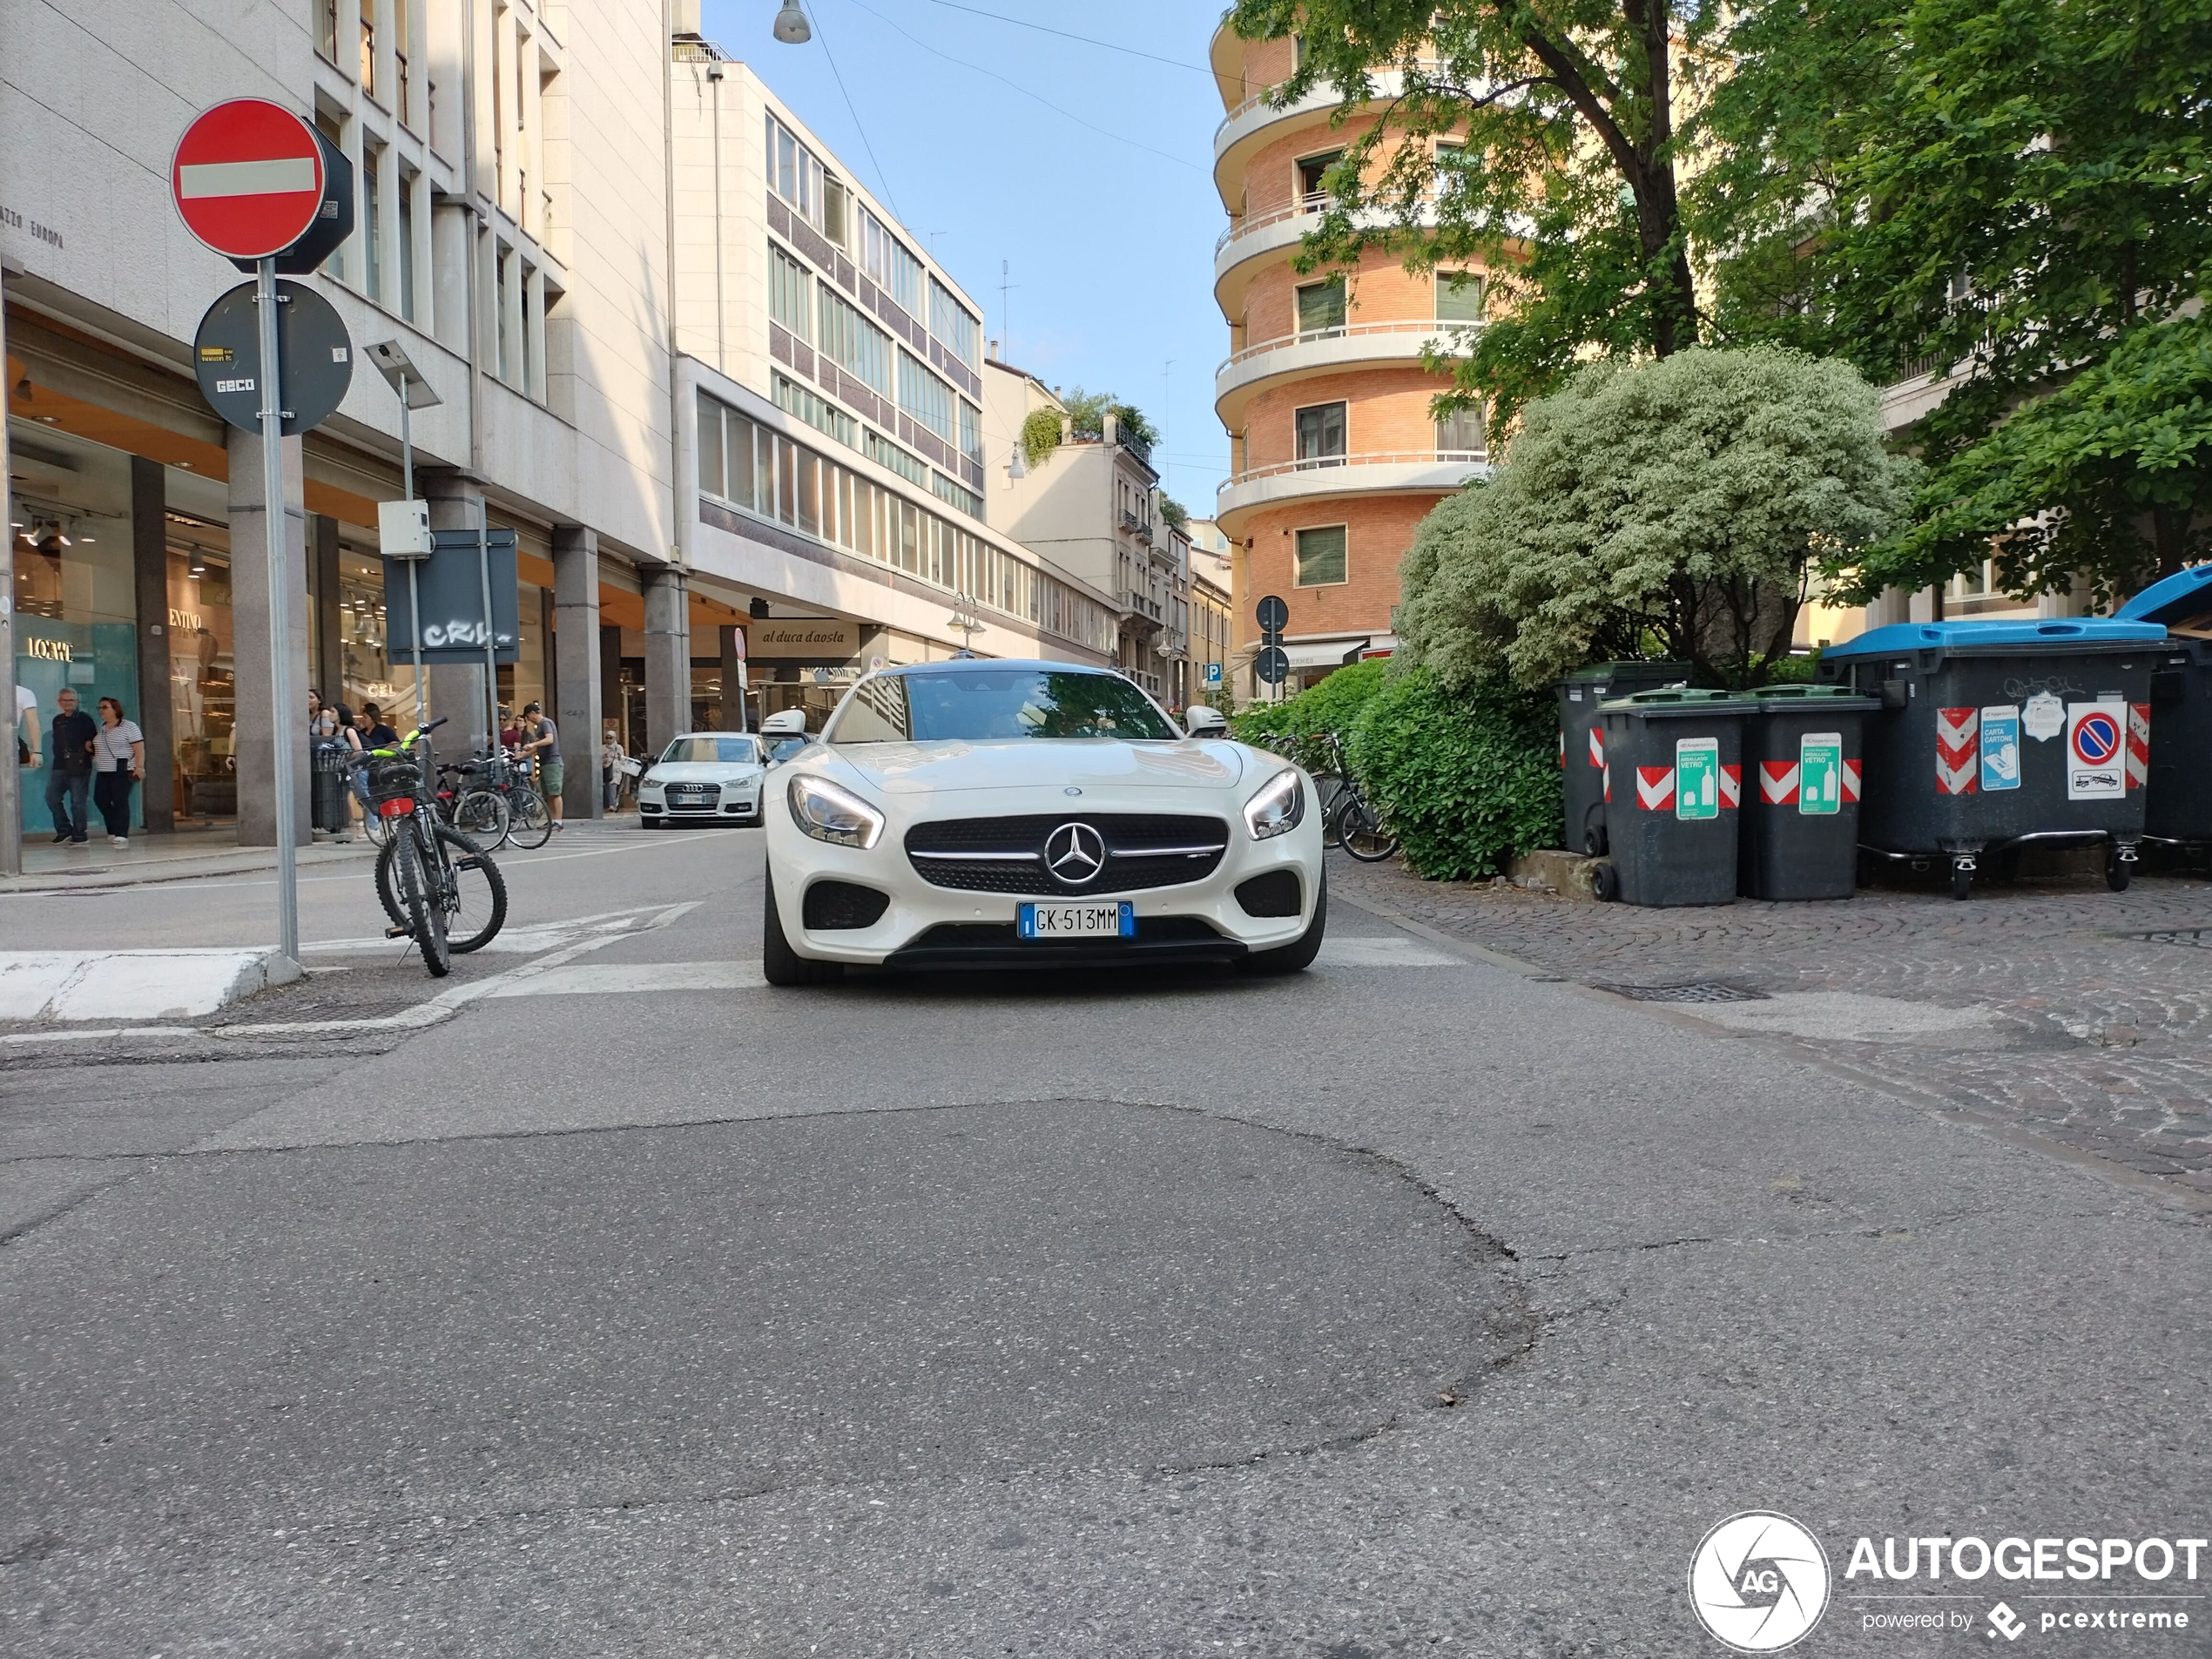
{"x": 2138, "y": 744}
{"x": 1609, "y": 786}
{"x": 1732, "y": 785}
{"x": 1958, "y": 750}
{"x": 1656, "y": 788}
{"x": 1597, "y": 747}
{"x": 1778, "y": 782}
{"x": 1851, "y": 781}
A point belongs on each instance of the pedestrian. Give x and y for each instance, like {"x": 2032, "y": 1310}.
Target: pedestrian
{"x": 377, "y": 732}
{"x": 118, "y": 761}
{"x": 68, "y": 778}
{"x": 542, "y": 738}
{"x": 610, "y": 758}
{"x": 26, "y": 726}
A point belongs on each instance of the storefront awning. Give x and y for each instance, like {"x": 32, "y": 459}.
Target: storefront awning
{"x": 1328, "y": 653}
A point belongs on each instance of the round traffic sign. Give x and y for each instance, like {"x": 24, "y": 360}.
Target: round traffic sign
{"x": 2096, "y": 738}
{"x": 247, "y": 177}
{"x": 1272, "y": 664}
{"x": 1274, "y": 614}
{"x": 314, "y": 351}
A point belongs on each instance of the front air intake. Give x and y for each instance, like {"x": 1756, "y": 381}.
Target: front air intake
{"x": 839, "y": 906}
{"x": 1275, "y": 894}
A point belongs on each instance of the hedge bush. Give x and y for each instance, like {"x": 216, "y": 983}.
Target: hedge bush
{"x": 1333, "y": 705}
{"x": 1467, "y": 779}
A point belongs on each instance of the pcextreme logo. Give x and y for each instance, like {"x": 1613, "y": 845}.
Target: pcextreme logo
{"x": 1759, "y": 1582}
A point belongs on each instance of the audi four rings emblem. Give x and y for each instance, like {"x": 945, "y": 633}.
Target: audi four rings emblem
{"x": 1075, "y": 853}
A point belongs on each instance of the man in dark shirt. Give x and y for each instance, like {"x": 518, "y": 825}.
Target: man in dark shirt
{"x": 542, "y": 740}
{"x": 69, "y": 776}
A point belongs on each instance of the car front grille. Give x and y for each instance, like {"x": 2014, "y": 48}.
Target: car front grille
{"x": 1008, "y": 855}
{"x": 694, "y": 797}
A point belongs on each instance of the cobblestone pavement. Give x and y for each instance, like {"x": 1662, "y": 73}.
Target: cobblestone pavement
{"x": 2109, "y": 1048}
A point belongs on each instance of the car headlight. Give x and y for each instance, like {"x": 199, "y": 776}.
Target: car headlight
{"x": 1278, "y": 809}
{"x": 831, "y": 814}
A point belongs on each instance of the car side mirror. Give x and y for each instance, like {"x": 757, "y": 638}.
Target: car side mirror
{"x": 1199, "y": 721}
{"x": 784, "y": 723}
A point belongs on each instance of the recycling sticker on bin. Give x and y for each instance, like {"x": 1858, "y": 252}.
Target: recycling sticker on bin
{"x": 1820, "y": 772}
{"x": 2096, "y": 767}
{"x": 2001, "y": 748}
{"x": 1698, "y": 778}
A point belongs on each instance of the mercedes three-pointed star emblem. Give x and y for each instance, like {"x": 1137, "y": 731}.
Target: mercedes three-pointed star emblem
{"x": 1075, "y": 853}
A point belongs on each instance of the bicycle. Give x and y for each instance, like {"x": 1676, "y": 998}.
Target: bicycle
{"x": 1347, "y": 820}
{"x": 477, "y": 809}
{"x": 437, "y": 885}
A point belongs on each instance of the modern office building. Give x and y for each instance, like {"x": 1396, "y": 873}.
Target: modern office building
{"x": 724, "y": 400}
{"x": 1334, "y": 452}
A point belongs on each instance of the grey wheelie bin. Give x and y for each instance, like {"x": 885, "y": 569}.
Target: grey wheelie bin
{"x": 1996, "y": 735}
{"x": 1802, "y": 750}
{"x": 1674, "y": 772}
{"x": 329, "y": 785}
{"x": 1582, "y": 743}
{"x": 2177, "y": 801}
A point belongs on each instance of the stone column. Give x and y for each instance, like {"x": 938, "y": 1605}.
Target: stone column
{"x": 576, "y": 665}
{"x": 329, "y": 657}
{"x": 668, "y": 655}
{"x": 610, "y": 685}
{"x": 732, "y": 678}
{"x": 1890, "y": 605}
{"x": 1928, "y": 605}
{"x": 260, "y": 717}
{"x": 456, "y": 689}
{"x": 156, "y": 713}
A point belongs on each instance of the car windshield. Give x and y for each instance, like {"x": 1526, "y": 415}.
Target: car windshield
{"x": 991, "y": 704}
{"x": 744, "y": 752}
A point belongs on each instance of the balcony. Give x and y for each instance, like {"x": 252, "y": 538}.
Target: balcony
{"x": 1140, "y": 528}
{"x": 1257, "y": 236}
{"x": 1254, "y": 122}
{"x": 1400, "y": 473}
{"x": 1249, "y": 370}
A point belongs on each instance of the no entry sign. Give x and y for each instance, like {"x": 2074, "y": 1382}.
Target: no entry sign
{"x": 248, "y": 178}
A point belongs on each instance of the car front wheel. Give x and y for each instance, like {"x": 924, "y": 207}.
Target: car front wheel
{"x": 1297, "y": 956}
{"x": 779, "y": 963}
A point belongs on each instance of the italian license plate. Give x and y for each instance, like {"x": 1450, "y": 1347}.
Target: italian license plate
{"x": 1076, "y": 920}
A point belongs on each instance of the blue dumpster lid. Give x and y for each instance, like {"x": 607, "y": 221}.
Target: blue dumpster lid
{"x": 2179, "y": 597}
{"x": 2055, "y": 632}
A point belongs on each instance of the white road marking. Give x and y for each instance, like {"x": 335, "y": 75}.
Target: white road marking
{"x": 1338, "y": 950}
{"x": 600, "y": 978}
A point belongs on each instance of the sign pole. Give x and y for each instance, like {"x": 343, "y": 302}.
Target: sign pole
{"x": 286, "y": 711}
{"x": 414, "y": 589}
{"x": 491, "y": 634}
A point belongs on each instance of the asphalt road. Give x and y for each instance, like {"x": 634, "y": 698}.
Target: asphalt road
{"x": 1414, "y": 1304}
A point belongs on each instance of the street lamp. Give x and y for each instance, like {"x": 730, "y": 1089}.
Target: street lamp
{"x": 400, "y": 372}
{"x": 791, "y": 25}
{"x": 966, "y": 625}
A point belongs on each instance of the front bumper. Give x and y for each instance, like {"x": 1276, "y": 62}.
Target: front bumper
{"x": 731, "y": 805}
{"x": 925, "y": 926}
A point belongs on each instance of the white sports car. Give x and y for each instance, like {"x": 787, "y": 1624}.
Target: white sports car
{"x": 1019, "y": 814}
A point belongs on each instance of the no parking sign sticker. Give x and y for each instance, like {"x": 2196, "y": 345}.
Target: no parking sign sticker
{"x": 2096, "y": 766}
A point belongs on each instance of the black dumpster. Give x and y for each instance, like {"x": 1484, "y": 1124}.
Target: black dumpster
{"x": 330, "y": 782}
{"x": 1674, "y": 772}
{"x": 1802, "y": 755}
{"x": 1582, "y": 743}
{"x": 2177, "y": 800}
{"x": 1995, "y": 735}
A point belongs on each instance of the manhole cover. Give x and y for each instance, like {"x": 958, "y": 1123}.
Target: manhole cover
{"x": 1696, "y": 991}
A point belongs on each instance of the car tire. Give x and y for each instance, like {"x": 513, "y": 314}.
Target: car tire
{"x": 779, "y": 963}
{"x": 1297, "y": 956}
{"x": 645, "y": 822}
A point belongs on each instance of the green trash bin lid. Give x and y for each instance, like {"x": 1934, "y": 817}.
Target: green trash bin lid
{"x": 1679, "y": 701}
{"x": 1642, "y": 665}
{"x": 1777, "y": 699}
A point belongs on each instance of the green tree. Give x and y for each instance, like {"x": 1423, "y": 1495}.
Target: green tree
{"x": 1684, "y": 503}
{"x": 1558, "y": 167}
{"x": 1087, "y": 413}
{"x": 2010, "y": 190}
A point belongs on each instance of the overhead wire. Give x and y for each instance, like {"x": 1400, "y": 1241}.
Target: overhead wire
{"x": 881, "y": 177}
{"x": 1046, "y": 29}
{"x": 1103, "y": 132}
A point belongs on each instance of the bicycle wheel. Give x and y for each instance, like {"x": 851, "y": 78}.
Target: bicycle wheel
{"x": 477, "y": 899}
{"x": 1331, "y": 791}
{"x": 419, "y": 898}
{"x": 528, "y": 825}
{"x": 481, "y": 816}
{"x": 1360, "y": 832}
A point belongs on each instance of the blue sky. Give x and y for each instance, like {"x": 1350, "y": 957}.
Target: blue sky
{"x": 1103, "y": 207}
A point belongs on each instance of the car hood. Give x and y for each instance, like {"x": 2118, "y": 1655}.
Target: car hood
{"x": 1028, "y": 763}
{"x": 701, "y": 771}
